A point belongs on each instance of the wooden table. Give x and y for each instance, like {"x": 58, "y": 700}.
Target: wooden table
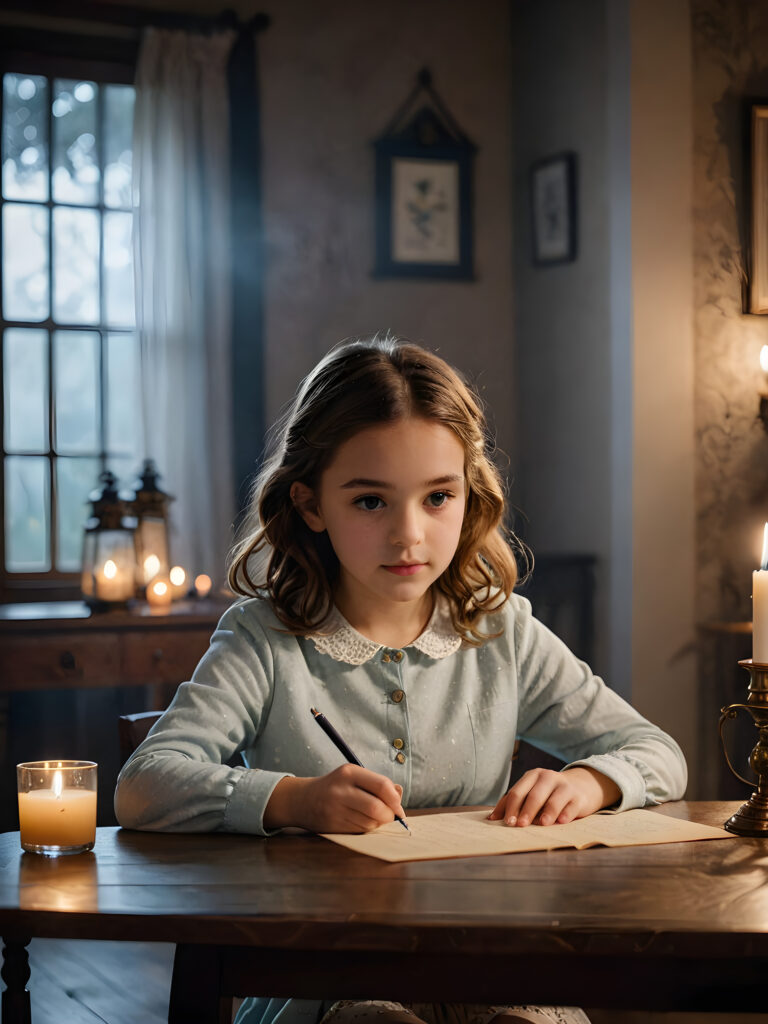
{"x": 674, "y": 927}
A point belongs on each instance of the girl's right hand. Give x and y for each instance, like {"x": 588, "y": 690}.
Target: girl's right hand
{"x": 348, "y": 799}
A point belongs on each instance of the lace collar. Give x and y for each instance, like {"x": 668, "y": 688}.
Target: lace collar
{"x": 342, "y": 642}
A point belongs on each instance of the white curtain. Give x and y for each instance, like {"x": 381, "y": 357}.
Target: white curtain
{"x": 183, "y": 285}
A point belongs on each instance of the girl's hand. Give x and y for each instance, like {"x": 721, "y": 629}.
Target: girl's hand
{"x": 544, "y": 797}
{"x": 348, "y": 799}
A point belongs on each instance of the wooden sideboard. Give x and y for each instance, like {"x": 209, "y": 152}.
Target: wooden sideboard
{"x": 67, "y": 674}
{"x": 65, "y": 644}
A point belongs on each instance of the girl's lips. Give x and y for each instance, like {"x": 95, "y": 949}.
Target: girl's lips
{"x": 404, "y": 570}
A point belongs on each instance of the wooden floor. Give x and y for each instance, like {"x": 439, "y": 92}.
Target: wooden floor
{"x": 92, "y": 982}
{"x": 130, "y": 982}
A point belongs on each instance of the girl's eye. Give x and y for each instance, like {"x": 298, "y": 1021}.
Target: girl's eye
{"x": 438, "y": 498}
{"x": 369, "y": 503}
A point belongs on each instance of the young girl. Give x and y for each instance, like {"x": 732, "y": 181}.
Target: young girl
{"x": 378, "y": 587}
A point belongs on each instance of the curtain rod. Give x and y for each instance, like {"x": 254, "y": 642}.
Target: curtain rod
{"x": 130, "y": 16}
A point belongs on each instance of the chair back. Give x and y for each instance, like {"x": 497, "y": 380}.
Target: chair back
{"x": 134, "y": 729}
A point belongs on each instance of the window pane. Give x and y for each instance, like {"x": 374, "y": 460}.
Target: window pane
{"x": 76, "y": 391}
{"x": 118, "y": 143}
{"x": 118, "y": 270}
{"x": 123, "y": 396}
{"x": 25, "y": 262}
{"x": 75, "y": 156}
{"x": 75, "y": 266}
{"x": 75, "y": 479}
{"x": 25, "y": 137}
{"x": 25, "y": 385}
{"x": 26, "y": 514}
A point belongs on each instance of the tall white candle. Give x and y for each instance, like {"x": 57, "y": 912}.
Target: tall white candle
{"x": 760, "y": 607}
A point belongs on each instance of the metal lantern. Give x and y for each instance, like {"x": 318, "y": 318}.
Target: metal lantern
{"x": 150, "y": 506}
{"x": 109, "y": 548}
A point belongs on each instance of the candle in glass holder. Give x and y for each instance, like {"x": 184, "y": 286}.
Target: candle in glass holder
{"x": 57, "y": 806}
{"x": 178, "y": 580}
{"x": 113, "y": 582}
{"x": 203, "y": 585}
{"x": 159, "y": 593}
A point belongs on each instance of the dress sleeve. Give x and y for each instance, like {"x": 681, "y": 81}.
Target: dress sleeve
{"x": 176, "y": 780}
{"x": 568, "y": 711}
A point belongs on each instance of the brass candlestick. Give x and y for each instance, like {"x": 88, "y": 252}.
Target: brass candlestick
{"x": 751, "y": 819}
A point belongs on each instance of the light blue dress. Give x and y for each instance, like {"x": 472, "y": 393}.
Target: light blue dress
{"x": 454, "y": 710}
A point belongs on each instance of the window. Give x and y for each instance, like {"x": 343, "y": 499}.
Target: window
{"x": 70, "y": 368}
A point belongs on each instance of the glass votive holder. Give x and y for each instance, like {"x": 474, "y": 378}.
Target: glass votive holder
{"x": 57, "y": 806}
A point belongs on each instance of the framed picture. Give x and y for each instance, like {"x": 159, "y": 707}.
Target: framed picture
{"x": 423, "y": 201}
{"x": 553, "y": 207}
{"x": 758, "y": 278}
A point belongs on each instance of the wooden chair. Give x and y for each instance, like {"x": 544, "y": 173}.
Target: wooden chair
{"x": 526, "y": 756}
{"x": 561, "y": 590}
{"x": 134, "y": 729}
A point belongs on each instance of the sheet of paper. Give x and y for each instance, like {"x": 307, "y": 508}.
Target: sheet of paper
{"x": 470, "y": 834}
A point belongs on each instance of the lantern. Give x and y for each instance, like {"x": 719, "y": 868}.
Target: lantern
{"x": 150, "y": 506}
{"x": 109, "y": 548}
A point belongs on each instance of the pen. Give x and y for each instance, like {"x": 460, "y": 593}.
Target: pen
{"x": 338, "y": 742}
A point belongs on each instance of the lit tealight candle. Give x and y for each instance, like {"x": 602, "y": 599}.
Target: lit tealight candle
{"x": 178, "y": 580}
{"x": 760, "y": 607}
{"x": 159, "y": 593}
{"x": 112, "y": 583}
{"x": 203, "y": 585}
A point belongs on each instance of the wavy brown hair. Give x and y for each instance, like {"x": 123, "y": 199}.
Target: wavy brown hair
{"x": 359, "y": 384}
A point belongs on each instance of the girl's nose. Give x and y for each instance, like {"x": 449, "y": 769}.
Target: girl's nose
{"x": 406, "y": 530}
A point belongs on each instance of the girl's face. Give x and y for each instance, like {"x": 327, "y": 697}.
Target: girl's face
{"x": 392, "y": 501}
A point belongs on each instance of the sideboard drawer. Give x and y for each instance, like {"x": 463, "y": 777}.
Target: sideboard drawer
{"x": 52, "y": 661}
{"x": 169, "y": 657}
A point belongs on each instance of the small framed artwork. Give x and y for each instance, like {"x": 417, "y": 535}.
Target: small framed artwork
{"x": 425, "y": 211}
{"x": 758, "y": 277}
{"x": 553, "y": 208}
{"x": 424, "y": 194}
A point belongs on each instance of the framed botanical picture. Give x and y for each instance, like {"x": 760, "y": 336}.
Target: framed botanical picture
{"x": 553, "y": 209}
{"x": 758, "y": 277}
{"x": 424, "y": 211}
{"x": 423, "y": 199}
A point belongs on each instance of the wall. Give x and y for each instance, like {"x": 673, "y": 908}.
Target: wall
{"x": 332, "y": 77}
{"x": 730, "y": 46}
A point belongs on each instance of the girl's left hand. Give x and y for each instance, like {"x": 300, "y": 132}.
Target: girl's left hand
{"x": 544, "y": 797}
